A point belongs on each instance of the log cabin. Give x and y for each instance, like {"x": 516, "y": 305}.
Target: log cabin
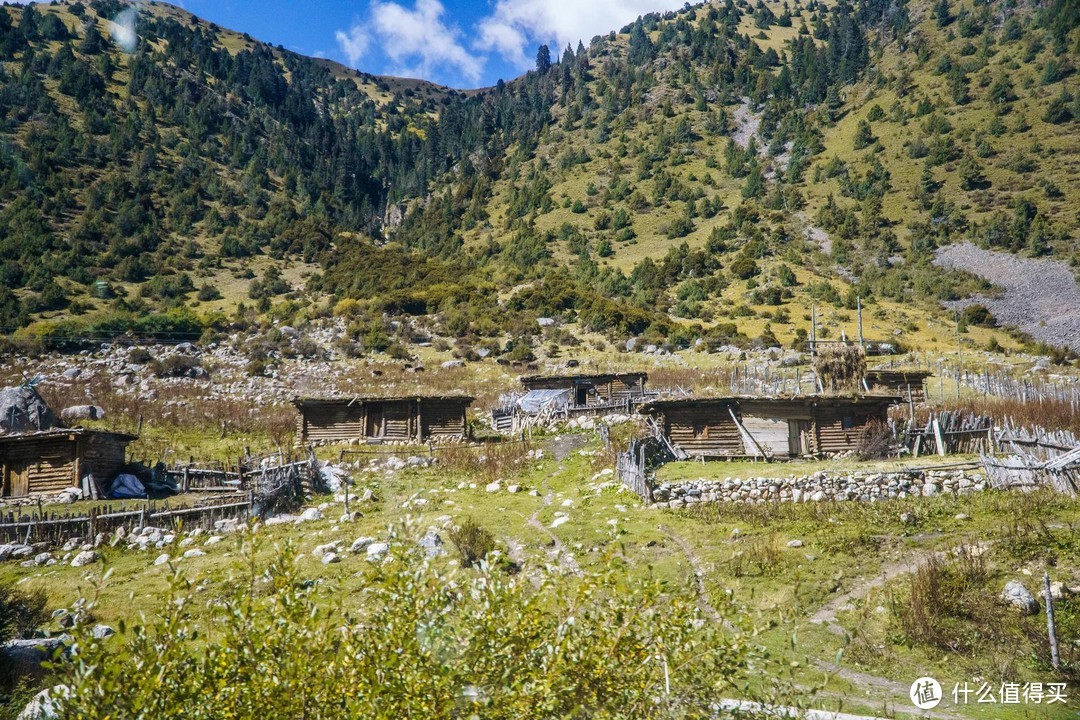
{"x": 592, "y": 393}
{"x": 413, "y": 419}
{"x": 899, "y": 382}
{"x": 39, "y": 463}
{"x": 750, "y": 427}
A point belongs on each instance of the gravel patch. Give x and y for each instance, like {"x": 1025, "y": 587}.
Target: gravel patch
{"x": 747, "y": 124}
{"x": 1041, "y": 296}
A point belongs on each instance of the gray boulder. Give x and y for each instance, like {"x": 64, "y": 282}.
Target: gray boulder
{"x": 14, "y": 550}
{"x": 86, "y": 557}
{"x": 376, "y": 551}
{"x": 45, "y": 705}
{"x": 23, "y": 410}
{"x": 1020, "y": 597}
{"x": 431, "y": 543}
{"x": 361, "y": 544}
{"x": 23, "y": 658}
{"x": 311, "y": 514}
{"x": 82, "y": 412}
{"x": 100, "y": 632}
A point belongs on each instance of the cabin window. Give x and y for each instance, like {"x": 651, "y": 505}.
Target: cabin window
{"x": 701, "y": 429}
{"x": 847, "y": 422}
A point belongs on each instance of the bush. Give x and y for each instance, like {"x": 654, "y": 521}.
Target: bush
{"x": 875, "y": 441}
{"x": 744, "y": 268}
{"x": 208, "y": 293}
{"x": 978, "y": 315}
{"x": 473, "y": 542}
{"x": 420, "y": 642}
{"x": 946, "y": 606}
{"x": 174, "y": 365}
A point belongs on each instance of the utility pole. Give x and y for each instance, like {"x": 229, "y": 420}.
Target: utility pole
{"x": 859, "y": 305}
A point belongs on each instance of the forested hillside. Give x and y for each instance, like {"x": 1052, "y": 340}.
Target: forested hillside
{"x": 701, "y": 175}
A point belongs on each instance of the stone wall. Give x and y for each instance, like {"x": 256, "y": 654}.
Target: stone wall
{"x": 821, "y": 487}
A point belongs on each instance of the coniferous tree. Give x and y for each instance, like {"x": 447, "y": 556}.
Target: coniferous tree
{"x": 543, "y": 59}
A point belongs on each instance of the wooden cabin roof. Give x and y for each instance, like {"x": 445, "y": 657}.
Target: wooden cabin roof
{"x": 349, "y": 400}
{"x": 74, "y": 432}
{"x": 801, "y": 401}
{"x": 884, "y": 373}
{"x": 570, "y": 380}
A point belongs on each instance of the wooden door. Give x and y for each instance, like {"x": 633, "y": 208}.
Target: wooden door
{"x": 801, "y": 439}
{"x": 18, "y": 479}
{"x": 375, "y": 423}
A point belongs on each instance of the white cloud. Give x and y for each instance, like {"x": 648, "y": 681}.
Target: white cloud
{"x": 516, "y": 27}
{"x": 420, "y": 41}
{"x": 353, "y": 43}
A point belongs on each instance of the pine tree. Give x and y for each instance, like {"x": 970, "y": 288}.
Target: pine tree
{"x": 971, "y": 174}
{"x": 864, "y": 136}
{"x": 543, "y": 59}
{"x": 941, "y": 13}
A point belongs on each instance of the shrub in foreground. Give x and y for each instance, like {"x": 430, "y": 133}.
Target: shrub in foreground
{"x": 416, "y": 642}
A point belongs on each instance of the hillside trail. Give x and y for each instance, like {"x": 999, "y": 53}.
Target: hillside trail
{"x": 561, "y": 447}
{"x": 698, "y": 569}
{"x": 826, "y": 614}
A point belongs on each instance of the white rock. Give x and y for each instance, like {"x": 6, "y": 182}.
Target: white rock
{"x": 162, "y": 559}
{"x": 361, "y": 543}
{"x": 85, "y": 558}
{"x": 377, "y": 550}
{"x": 331, "y": 557}
{"x": 214, "y": 539}
{"x": 559, "y": 521}
{"x": 321, "y": 550}
{"x": 1019, "y": 597}
{"x": 513, "y": 488}
{"x": 795, "y": 543}
{"x": 493, "y": 487}
{"x": 44, "y": 706}
{"x": 193, "y": 553}
{"x": 310, "y": 514}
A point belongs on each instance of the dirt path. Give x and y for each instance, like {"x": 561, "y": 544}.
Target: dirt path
{"x": 561, "y": 448}
{"x": 699, "y": 575}
{"x": 898, "y": 691}
{"x": 826, "y": 614}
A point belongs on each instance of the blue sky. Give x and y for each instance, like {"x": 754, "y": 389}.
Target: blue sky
{"x": 454, "y": 42}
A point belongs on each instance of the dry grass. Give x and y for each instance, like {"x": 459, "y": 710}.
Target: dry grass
{"x": 492, "y": 462}
{"x": 1047, "y": 413}
{"x": 840, "y": 367}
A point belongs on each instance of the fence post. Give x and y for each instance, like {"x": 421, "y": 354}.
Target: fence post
{"x": 1054, "y": 660}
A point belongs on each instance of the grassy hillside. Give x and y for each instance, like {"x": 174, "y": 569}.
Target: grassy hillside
{"x": 708, "y": 174}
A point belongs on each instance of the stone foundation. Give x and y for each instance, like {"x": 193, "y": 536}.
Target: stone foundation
{"x": 821, "y": 487}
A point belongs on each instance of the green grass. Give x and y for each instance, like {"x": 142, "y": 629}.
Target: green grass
{"x": 844, "y": 546}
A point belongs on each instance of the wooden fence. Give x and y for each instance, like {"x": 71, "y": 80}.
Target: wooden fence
{"x": 58, "y": 528}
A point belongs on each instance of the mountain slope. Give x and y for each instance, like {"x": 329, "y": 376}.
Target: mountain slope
{"x": 708, "y": 174}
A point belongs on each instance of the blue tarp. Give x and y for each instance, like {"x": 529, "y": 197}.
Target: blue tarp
{"x": 127, "y": 486}
{"x": 536, "y": 400}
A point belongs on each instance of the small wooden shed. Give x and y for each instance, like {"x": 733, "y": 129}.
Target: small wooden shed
{"x": 417, "y": 418}
{"x": 610, "y": 391}
{"x": 49, "y": 461}
{"x": 732, "y": 427}
{"x": 899, "y": 382}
